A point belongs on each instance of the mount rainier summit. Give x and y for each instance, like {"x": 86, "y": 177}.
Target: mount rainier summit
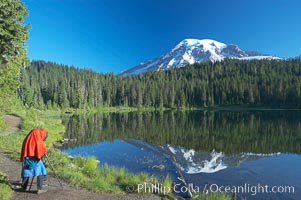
{"x": 190, "y": 51}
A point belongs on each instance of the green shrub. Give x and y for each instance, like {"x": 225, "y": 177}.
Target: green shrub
{"x": 5, "y": 189}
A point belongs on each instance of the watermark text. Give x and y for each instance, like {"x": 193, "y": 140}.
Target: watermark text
{"x": 211, "y": 188}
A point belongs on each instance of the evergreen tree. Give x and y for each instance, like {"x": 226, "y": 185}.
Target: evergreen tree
{"x": 13, "y": 34}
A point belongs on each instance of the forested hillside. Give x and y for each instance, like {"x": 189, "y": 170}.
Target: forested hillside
{"x": 272, "y": 83}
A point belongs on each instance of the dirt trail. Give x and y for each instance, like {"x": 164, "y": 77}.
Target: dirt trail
{"x": 14, "y": 123}
{"x": 55, "y": 192}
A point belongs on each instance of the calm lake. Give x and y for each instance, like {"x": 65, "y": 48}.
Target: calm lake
{"x": 258, "y": 151}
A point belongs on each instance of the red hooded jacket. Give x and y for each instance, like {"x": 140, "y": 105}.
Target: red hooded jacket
{"x": 33, "y": 144}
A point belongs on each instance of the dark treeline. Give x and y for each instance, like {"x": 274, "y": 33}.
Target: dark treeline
{"x": 229, "y": 132}
{"x": 273, "y": 83}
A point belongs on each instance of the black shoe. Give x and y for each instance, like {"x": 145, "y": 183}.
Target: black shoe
{"x": 19, "y": 188}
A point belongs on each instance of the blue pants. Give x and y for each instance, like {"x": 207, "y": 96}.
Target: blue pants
{"x": 40, "y": 180}
{"x": 33, "y": 167}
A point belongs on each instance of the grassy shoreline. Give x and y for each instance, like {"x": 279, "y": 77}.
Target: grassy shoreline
{"x": 153, "y": 109}
{"x": 79, "y": 171}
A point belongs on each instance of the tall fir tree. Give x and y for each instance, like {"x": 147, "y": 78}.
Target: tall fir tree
{"x": 13, "y": 34}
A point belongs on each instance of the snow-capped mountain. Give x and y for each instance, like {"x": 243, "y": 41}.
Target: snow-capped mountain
{"x": 190, "y": 51}
{"x": 194, "y": 162}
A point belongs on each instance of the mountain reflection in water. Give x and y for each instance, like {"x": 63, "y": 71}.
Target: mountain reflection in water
{"x": 229, "y": 148}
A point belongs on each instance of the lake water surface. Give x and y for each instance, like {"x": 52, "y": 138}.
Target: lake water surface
{"x": 253, "y": 150}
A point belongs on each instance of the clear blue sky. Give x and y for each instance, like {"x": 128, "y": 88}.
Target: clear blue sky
{"x": 113, "y": 35}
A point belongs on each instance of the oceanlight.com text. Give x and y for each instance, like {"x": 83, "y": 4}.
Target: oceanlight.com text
{"x": 249, "y": 189}
{"x": 212, "y": 188}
